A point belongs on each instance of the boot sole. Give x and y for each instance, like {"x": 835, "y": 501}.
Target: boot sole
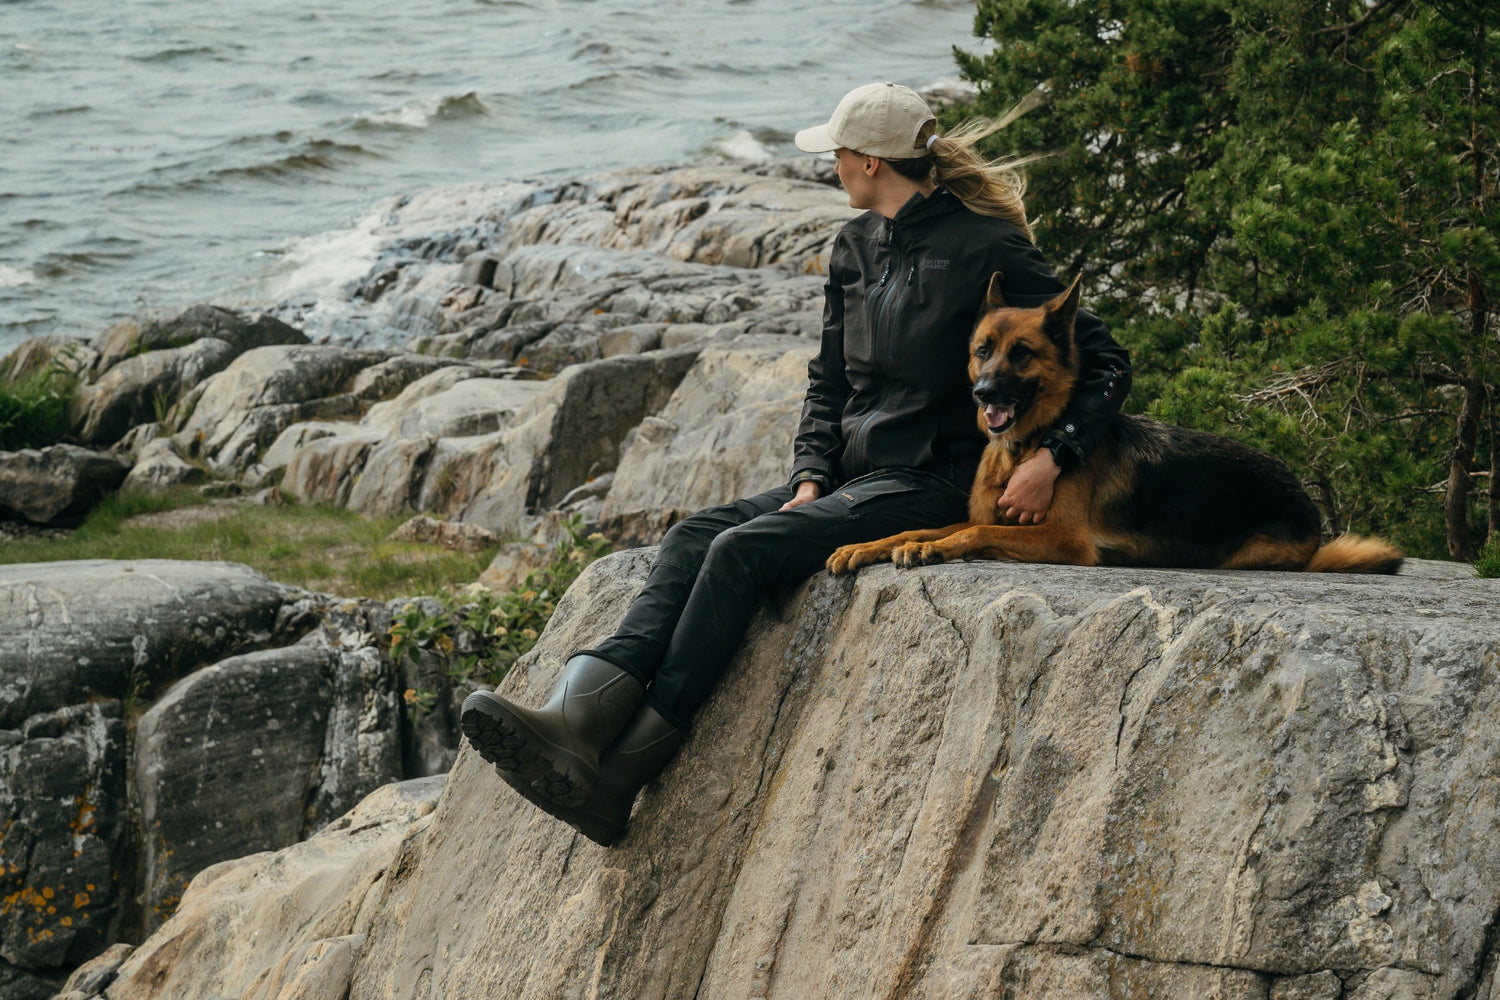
{"x": 601, "y": 832}
{"x": 505, "y": 740}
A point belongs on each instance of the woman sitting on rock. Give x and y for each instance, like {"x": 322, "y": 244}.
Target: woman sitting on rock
{"x": 888, "y": 443}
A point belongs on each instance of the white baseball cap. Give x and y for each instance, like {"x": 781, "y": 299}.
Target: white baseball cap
{"x": 878, "y": 119}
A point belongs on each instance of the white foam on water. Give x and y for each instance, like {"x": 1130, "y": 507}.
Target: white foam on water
{"x": 421, "y": 113}
{"x": 318, "y": 268}
{"x": 316, "y": 265}
{"x": 10, "y": 277}
{"x": 742, "y": 146}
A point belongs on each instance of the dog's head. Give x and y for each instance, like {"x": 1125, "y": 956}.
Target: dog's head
{"x": 1023, "y": 362}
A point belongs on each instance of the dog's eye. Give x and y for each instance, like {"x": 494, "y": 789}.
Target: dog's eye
{"x": 1020, "y": 354}
{"x": 982, "y": 351}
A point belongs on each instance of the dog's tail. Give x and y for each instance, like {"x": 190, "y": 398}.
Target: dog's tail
{"x": 1353, "y": 554}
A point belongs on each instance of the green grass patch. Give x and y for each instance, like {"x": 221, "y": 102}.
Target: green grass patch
{"x": 321, "y": 548}
{"x": 34, "y": 409}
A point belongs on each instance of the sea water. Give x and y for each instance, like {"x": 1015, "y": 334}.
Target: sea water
{"x": 158, "y": 153}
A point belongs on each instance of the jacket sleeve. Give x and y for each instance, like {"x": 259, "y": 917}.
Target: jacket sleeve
{"x": 1104, "y": 366}
{"x": 820, "y": 436}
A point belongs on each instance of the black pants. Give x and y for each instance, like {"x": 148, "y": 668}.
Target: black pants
{"x": 685, "y": 625}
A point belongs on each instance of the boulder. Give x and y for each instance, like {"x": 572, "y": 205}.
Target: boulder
{"x": 279, "y": 455}
{"x": 377, "y": 465}
{"x": 552, "y": 436}
{"x": 983, "y": 779}
{"x": 567, "y": 436}
{"x": 70, "y": 354}
{"x": 258, "y": 751}
{"x": 56, "y": 485}
{"x": 143, "y": 388}
{"x": 389, "y": 377}
{"x": 392, "y": 474}
{"x": 256, "y": 926}
{"x": 90, "y": 978}
{"x": 237, "y": 413}
{"x": 225, "y": 763}
{"x": 63, "y": 836}
{"x": 326, "y": 468}
{"x": 365, "y": 741}
{"x": 726, "y": 432}
{"x": 453, "y": 402}
{"x": 711, "y": 214}
{"x": 513, "y": 563}
{"x": 152, "y": 333}
{"x": 101, "y": 629}
{"x": 157, "y": 467}
{"x": 449, "y": 534}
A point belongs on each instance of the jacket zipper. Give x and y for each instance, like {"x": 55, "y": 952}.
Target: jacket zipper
{"x": 885, "y": 291}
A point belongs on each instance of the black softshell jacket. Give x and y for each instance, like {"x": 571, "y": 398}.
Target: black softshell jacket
{"x": 890, "y": 386}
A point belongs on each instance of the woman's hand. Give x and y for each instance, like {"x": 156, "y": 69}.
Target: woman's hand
{"x": 1029, "y": 492}
{"x": 807, "y": 492}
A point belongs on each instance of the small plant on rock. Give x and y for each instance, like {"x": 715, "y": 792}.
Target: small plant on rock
{"x": 477, "y": 633}
{"x": 1488, "y": 563}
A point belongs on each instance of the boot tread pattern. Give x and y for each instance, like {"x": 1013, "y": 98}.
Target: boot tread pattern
{"x": 506, "y": 745}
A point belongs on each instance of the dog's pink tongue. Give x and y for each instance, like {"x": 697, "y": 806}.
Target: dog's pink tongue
{"x": 998, "y": 416}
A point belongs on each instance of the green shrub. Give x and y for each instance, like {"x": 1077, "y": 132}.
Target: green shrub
{"x": 1488, "y": 563}
{"x": 34, "y": 409}
{"x": 476, "y": 632}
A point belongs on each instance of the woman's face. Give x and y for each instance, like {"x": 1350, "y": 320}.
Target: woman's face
{"x": 859, "y": 184}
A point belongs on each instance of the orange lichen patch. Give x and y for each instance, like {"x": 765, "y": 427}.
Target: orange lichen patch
{"x": 25, "y": 896}
{"x": 80, "y": 899}
{"x": 83, "y": 820}
{"x": 66, "y": 921}
{"x": 48, "y": 892}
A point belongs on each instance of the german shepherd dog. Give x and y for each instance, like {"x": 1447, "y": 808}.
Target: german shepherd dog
{"x": 1149, "y": 493}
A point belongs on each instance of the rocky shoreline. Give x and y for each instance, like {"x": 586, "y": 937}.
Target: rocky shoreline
{"x": 960, "y": 786}
{"x": 620, "y": 348}
{"x": 542, "y": 346}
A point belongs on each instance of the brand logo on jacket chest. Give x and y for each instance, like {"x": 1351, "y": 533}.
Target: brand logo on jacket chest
{"x": 930, "y": 264}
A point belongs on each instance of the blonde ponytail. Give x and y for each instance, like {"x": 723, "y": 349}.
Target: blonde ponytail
{"x": 986, "y": 187}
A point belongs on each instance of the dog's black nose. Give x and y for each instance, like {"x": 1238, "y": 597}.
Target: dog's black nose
{"x": 986, "y": 392}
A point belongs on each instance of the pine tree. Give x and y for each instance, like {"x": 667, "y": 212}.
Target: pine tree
{"x": 1288, "y": 211}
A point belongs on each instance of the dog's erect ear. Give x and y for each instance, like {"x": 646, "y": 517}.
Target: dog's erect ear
{"x": 992, "y": 297}
{"x": 1061, "y": 312}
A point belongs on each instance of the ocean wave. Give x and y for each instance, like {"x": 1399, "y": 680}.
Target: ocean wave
{"x": 179, "y": 52}
{"x": 307, "y": 157}
{"x": 314, "y": 155}
{"x": 11, "y": 277}
{"x": 62, "y": 263}
{"x": 72, "y": 109}
{"x": 421, "y": 114}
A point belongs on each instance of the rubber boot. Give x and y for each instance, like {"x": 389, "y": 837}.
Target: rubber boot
{"x": 641, "y": 753}
{"x": 627, "y": 767}
{"x": 554, "y": 750}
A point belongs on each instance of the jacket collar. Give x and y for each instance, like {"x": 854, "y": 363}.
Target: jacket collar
{"x": 918, "y": 207}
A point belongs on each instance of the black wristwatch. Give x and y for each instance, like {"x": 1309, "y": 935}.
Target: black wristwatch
{"x": 1066, "y": 451}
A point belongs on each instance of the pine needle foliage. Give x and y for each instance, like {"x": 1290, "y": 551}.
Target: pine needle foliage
{"x": 1288, "y": 212}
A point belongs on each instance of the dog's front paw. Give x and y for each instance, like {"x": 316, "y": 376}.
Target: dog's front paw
{"x": 845, "y": 559}
{"x": 916, "y": 554}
